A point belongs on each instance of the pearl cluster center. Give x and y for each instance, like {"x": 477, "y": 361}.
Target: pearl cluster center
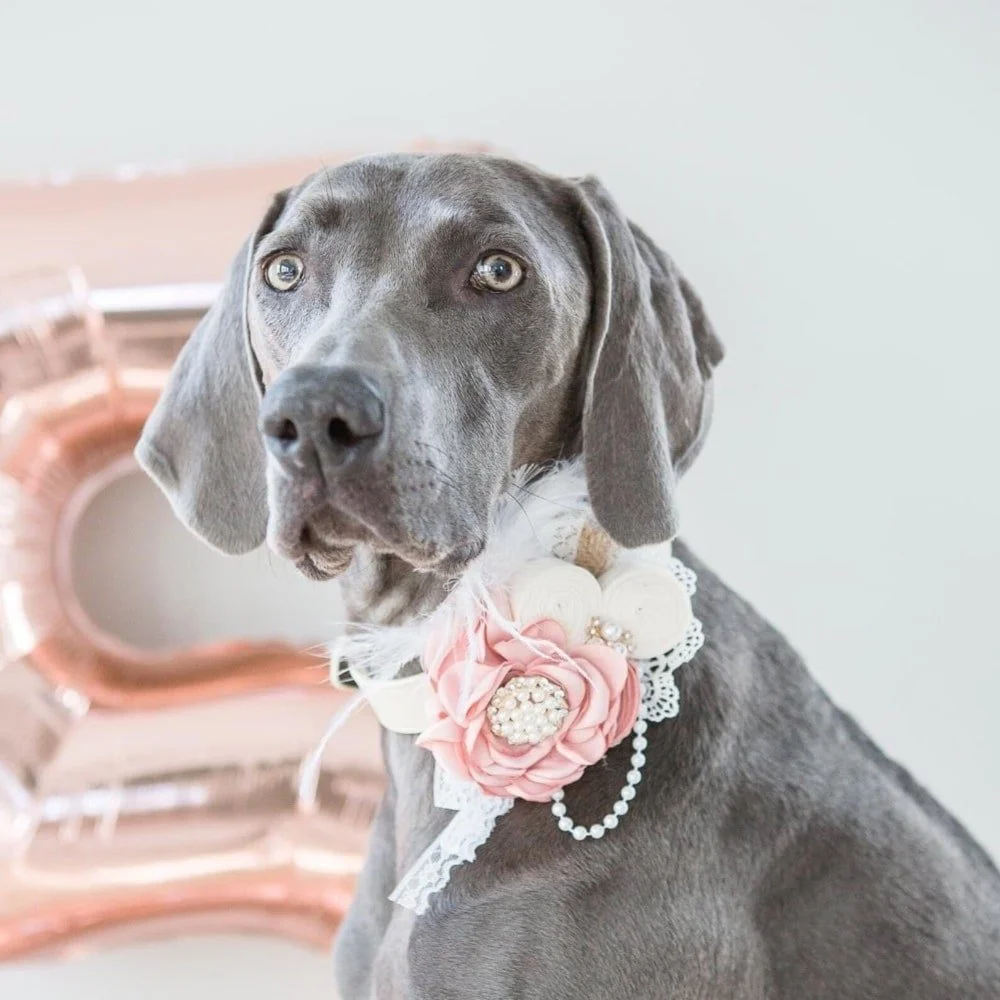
{"x": 527, "y": 709}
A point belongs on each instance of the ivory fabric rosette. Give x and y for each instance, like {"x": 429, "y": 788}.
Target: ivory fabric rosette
{"x": 638, "y": 605}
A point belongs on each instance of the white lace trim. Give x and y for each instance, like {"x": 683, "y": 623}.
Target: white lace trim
{"x": 477, "y": 813}
{"x": 661, "y": 698}
{"x": 476, "y": 816}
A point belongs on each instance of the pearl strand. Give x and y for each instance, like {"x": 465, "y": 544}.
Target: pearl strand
{"x": 625, "y": 796}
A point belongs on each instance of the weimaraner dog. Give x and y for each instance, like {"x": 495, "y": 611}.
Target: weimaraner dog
{"x": 397, "y": 336}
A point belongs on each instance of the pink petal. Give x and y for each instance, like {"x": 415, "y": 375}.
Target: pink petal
{"x": 518, "y": 758}
{"x": 489, "y": 766}
{"x": 474, "y": 734}
{"x": 581, "y": 734}
{"x": 498, "y": 788}
{"x": 500, "y": 791}
{"x": 443, "y": 731}
{"x": 465, "y": 690}
{"x": 567, "y": 675}
{"x": 486, "y": 779}
{"x": 450, "y": 757}
{"x": 556, "y": 769}
{"x": 533, "y": 791}
{"x": 596, "y": 706}
{"x": 547, "y": 630}
{"x": 628, "y": 712}
{"x": 521, "y": 652}
{"x": 613, "y": 668}
{"x": 586, "y": 752}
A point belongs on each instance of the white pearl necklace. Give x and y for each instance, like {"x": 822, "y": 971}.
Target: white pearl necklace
{"x": 625, "y": 796}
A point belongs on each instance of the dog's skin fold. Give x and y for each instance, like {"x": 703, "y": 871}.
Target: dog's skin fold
{"x": 369, "y": 417}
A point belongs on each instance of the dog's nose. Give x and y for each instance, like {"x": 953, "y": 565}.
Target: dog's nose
{"x": 321, "y": 413}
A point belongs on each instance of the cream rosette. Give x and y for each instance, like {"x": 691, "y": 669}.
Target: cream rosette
{"x": 637, "y": 604}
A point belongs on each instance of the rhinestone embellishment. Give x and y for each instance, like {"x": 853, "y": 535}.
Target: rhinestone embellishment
{"x": 611, "y": 635}
{"x": 527, "y": 710}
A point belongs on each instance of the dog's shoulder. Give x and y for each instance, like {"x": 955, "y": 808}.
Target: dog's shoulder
{"x": 847, "y": 854}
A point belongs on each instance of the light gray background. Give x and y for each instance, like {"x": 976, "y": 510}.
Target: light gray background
{"x": 826, "y": 174}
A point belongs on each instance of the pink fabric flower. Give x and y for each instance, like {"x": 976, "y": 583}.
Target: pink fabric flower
{"x": 465, "y": 671}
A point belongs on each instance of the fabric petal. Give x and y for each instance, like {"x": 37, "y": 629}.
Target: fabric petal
{"x": 610, "y": 665}
{"x": 586, "y": 752}
{"x": 475, "y": 682}
{"x": 445, "y": 730}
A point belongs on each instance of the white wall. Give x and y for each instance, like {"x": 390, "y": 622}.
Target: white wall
{"x": 827, "y": 176}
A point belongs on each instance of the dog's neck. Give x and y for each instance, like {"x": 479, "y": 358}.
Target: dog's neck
{"x": 385, "y": 590}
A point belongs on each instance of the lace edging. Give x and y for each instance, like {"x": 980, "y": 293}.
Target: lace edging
{"x": 456, "y": 844}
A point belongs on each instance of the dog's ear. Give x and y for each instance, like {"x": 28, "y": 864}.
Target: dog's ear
{"x": 201, "y": 444}
{"x": 648, "y": 399}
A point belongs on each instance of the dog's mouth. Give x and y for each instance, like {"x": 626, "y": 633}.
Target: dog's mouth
{"x": 317, "y": 554}
{"x": 321, "y": 529}
{"x": 324, "y": 546}
{"x": 322, "y": 565}
{"x": 325, "y": 563}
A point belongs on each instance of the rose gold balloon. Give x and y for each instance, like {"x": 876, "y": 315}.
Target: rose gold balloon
{"x": 142, "y": 793}
{"x": 76, "y": 390}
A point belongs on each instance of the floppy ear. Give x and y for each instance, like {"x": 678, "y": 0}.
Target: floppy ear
{"x": 201, "y": 444}
{"x": 648, "y": 397}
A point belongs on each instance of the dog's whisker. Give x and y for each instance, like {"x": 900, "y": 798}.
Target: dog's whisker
{"x": 523, "y": 510}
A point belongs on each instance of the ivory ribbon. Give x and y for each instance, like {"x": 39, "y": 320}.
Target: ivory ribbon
{"x": 400, "y": 705}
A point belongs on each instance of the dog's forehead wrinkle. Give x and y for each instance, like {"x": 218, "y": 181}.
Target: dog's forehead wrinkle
{"x": 319, "y": 209}
{"x": 359, "y": 176}
{"x": 434, "y": 210}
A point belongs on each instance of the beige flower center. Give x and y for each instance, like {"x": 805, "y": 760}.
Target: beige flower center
{"x": 527, "y": 710}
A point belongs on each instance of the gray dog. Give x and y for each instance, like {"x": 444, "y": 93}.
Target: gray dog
{"x": 396, "y": 337}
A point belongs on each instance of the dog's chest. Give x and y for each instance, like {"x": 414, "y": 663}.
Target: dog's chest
{"x": 538, "y": 916}
{"x": 520, "y": 944}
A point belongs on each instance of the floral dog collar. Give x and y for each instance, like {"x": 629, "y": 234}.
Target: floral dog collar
{"x": 551, "y": 649}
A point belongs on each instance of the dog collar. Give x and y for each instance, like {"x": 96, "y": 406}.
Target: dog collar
{"x": 553, "y": 647}
{"x": 400, "y": 704}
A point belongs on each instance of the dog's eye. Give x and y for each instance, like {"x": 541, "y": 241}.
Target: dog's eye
{"x": 283, "y": 271}
{"x": 497, "y": 272}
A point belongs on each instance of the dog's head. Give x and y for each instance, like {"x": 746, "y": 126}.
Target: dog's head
{"x": 399, "y": 334}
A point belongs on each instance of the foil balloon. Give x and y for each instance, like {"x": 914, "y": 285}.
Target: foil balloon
{"x": 142, "y": 793}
